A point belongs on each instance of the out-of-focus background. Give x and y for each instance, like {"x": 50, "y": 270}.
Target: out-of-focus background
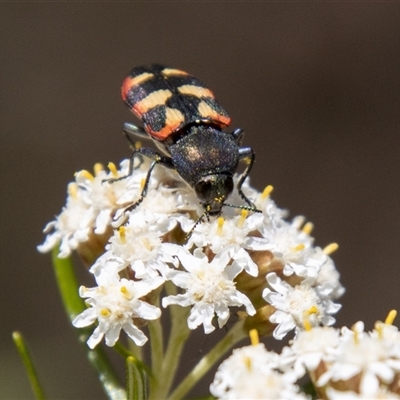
{"x": 316, "y": 86}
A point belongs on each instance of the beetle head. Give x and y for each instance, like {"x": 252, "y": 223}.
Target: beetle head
{"x": 212, "y": 191}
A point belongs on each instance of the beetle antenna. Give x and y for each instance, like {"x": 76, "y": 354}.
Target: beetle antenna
{"x": 205, "y": 214}
{"x": 248, "y": 208}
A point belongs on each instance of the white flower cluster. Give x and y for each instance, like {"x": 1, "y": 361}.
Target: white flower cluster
{"x": 252, "y": 372}
{"x": 90, "y": 206}
{"x": 342, "y": 364}
{"x": 147, "y": 246}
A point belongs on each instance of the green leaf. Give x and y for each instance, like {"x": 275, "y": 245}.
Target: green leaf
{"x": 125, "y": 353}
{"x": 67, "y": 285}
{"x": 135, "y": 381}
{"x": 22, "y": 348}
{"x": 232, "y": 337}
{"x": 74, "y": 305}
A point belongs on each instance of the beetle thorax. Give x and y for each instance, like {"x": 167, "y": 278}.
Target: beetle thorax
{"x": 204, "y": 151}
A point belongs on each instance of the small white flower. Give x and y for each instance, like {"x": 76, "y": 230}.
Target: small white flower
{"x": 388, "y": 332}
{"x": 90, "y": 206}
{"x": 251, "y": 373}
{"x": 294, "y": 247}
{"x": 164, "y": 204}
{"x": 138, "y": 244}
{"x": 380, "y": 394}
{"x": 104, "y": 198}
{"x": 222, "y": 232}
{"x": 273, "y": 215}
{"x": 308, "y": 349}
{"x": 71, "y": 227}
{"x": 327, "y": 282}
{"x": 297, "y": 306}
{"x": 167, "y": 197}
{"x": 231, "y": 233}
{"x": 361, "y": 354}
{"x": 209, "y": 287}
{"x": 115, "y": 303}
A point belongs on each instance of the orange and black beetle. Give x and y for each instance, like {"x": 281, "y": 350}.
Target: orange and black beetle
{"x": 182, "y": 117}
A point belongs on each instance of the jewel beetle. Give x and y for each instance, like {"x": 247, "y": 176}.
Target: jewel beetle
{"x": 180, "y": 114}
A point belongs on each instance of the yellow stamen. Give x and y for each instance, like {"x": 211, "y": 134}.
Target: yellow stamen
{"x": 122, "y": 234}
{"x": 356, "y": 334}
{"x": 105, "y": 312}
{"x": 98, "y": 167}
{"x": 126, "y": 292}
{"x": 73, "y": 190}
{"x": 299, "y": 247}
{"x": 220, "y": 225}
{"x": 113, "y": 169}
{"x": 242, "y": 219}
{"x": 146, "y": 243}
{"x": 247, "y": 362}
{"x": 391, "y": 317}
{"x": 307, "y": 325}
{"x": 312, "y": 310}
{"x": 87, "y": 175}
{"x": 379, "y": 328}
{"x": 267, "y": 191}
{"x": 330, "y": 248}
{"x": 255, "y": 340}
{"x": 308, "y": 227}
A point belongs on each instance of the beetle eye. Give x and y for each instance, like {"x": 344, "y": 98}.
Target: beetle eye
{"x": 204, "y": 190}
{"x": 228, "y": 186}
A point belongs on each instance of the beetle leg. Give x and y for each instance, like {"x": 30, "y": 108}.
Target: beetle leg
{"x": 238, "y": 135}
{"x": 130, "y": 130}
{"x": 145, "y": 187}
{"x": 157, "y": 159}
{"x": 133, "y": 130}
{"x": 145, "y": 152}
{"x": 247, "y": 154}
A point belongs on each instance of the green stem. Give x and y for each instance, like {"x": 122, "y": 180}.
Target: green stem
{"x": 157, "y": 352}
{"x": 230, "y": 339}
{"x": 23, "y": 350}
{"x": 156, "y": 342}
{"x": 74, "y": 305}
{"x": 136, "y": 351}
{"x": 135, "y": 381}
{"x": 125, "y": 353}
{"x": 177, "y": 338}
{"x": 122, "y": 350}
{"x": 67, "y": 285}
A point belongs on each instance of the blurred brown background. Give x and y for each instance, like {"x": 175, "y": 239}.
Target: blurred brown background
{"x": 316, "y": 86}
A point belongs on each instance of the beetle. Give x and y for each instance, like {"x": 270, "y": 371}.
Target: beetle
{"x": 180, "y": 114}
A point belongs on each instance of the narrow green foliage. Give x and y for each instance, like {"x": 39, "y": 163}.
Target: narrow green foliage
{"x": 22, "y": 348}
{"x": 236, "y": 334}
{"x": 74, "y": 305}
{"x": 135, "y": 381}
{"x": 124, "y": 352}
